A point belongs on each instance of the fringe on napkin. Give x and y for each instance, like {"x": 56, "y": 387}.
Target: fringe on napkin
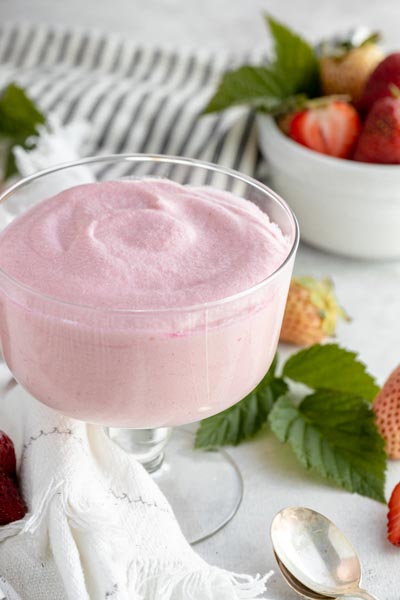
{"x": 81, "y": 530}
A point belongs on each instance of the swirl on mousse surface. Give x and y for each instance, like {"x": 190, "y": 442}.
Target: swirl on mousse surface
{"x": 142, "y": 244}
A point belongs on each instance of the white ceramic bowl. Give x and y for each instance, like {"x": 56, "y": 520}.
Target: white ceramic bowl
{"x": 342, "y": 206}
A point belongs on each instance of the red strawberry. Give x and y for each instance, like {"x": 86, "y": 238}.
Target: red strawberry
{"x": 12, "y": 507}
{"x": 7, "y": 455}
{"x": 387, "y": 410}
{"x": 394, "y": 517}
{"x": 379, "y": 141}
{"x": 331, "y": 127}
{"x": 378, "y": 84}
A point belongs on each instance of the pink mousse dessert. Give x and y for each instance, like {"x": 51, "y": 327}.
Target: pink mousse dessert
{"x": 140, "y": 303}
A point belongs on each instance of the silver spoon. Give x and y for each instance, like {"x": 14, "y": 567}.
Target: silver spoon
{"x": 316, "y": 555}
{"x": 301, "y": 589}
{"x": 295, "y": 584}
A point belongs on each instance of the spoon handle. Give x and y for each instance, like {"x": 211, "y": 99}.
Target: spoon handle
{"x": 357, "y": 595}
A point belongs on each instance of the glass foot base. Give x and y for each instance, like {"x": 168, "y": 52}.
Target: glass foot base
{"x": 205, "y": 489}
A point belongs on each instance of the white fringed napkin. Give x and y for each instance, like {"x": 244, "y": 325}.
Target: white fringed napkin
{"x": 98, "y": 527}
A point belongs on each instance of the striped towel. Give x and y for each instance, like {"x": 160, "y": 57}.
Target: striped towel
{"x": 136, "y": 99}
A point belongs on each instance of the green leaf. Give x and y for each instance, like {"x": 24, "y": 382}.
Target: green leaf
{"x": 244, "y": 419}
{"x": 295, "y": 63}
{"x": 292, "y": 73}
{"x": 334, "y": 434}
{"x": 258, "y": 87}
{"x": 19, "y": 118}
{"x": 331, "y": 367}
{"x": 19, "y": 115}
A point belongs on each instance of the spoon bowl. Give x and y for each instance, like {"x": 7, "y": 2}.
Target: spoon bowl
{"x": 315, "y": 557}
{"x": 302, "y": 590}
{"x": 296, "y": 585}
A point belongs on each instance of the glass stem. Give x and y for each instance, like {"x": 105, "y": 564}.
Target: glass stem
{"x": 145, "y": 445}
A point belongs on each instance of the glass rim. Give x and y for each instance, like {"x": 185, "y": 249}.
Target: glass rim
{"x": 160, "y": 158}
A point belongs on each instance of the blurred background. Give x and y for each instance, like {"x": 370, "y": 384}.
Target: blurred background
{"x": 219, "y": 24}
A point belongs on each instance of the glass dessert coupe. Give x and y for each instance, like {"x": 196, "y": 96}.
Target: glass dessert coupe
{"x": 140, "y": 372}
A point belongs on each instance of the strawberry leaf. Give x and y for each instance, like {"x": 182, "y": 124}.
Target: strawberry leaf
{"x": 258, "y": 87}
{"x": 19, "y": 118}
{"x": 295, "y": 64}
{"x": 334, "y": 434}
{"x": 244, "y": 419}
{"x": 292, "y": 73}
{"x": 331, "y": 367}
{"x": 18, "y": 114}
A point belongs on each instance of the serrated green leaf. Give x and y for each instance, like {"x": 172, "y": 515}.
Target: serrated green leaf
{"x": 258, "y": 87}
{"x": 244, "y": 419}
{"x": 331, "y": 367}
{"x": 295, "y": 64}
{"x": 292, "y": 73}
{"x": 334, "y": 434}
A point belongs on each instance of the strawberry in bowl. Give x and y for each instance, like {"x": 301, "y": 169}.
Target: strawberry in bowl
{"x": 379, "y": 141}
{"x": 339, "y": 169}
{"x": 328, "y": 128}
{"x": 327, "y": 125}
{"x": 346, "y": 64}
{"x": 380, "y": 83}
{"x": 343, "y": 206}
{"x": 340, "y": 174}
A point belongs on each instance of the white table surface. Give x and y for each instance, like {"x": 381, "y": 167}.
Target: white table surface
{"x": 369, "y": 291}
